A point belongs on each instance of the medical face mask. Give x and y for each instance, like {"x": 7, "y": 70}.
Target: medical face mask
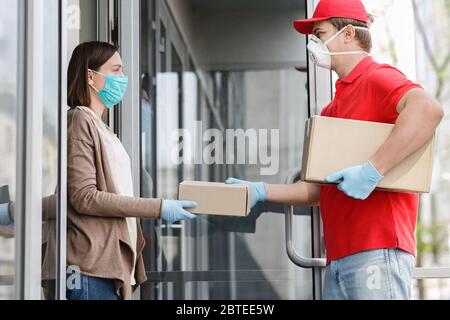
{"x": 114, "y": 91}
{"x": 321, "y": 55}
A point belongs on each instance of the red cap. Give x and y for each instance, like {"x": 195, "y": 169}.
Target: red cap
{"x": 327, "y": 9}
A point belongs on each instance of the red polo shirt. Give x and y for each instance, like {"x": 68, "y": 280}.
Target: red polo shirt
{"x": 370, "y": 92}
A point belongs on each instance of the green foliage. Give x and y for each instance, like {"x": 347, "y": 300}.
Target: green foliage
{"x": 431, "y": 238}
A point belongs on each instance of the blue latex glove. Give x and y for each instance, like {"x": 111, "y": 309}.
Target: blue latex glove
{"x": 358, "y": 181}
{"x": 173, "y": 211}
{"x": 5, "y": 218}
{"x": 257, "y": 190}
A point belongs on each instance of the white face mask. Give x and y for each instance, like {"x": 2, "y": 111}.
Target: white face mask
{"x": 321, "y": 55}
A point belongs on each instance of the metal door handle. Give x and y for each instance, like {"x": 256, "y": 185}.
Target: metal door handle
{"x": 296, "y": 258}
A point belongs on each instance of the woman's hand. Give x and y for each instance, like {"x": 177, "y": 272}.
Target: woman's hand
{"x": 257, "y": 190}
{"x": 173, "y": 210}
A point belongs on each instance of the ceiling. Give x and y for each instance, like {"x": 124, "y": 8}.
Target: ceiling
{"x": 247, "y": 4}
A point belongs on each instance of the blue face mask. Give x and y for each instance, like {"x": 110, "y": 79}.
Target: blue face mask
{"x": 114, "y": 91}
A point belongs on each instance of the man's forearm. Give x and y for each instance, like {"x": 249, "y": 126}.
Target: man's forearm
{"x": 298, "y": 194}
{"x": 415, "y": 126}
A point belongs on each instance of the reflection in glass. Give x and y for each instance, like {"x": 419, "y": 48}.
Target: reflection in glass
{"x": 261, "y": 100}
{"x": 217, "y": 257}
{"x": 8, "y": 148}
{"x": 169, "y": 166}
{"x": 167, "y": 124}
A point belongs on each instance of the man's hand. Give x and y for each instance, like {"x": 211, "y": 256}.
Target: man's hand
{"x": 257, "y": 190}
{"x": 357, "y": 182}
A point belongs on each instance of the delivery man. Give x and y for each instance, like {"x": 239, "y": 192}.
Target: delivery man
{"x": 369, "y": 235}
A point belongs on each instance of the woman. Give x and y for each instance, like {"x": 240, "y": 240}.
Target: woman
{"x": 104, "y": 237}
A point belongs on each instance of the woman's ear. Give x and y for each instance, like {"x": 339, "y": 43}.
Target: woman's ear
{"x": 90, "y": 77}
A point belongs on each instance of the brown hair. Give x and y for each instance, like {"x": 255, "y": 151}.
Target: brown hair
{"x": 364, "y": 38}
{"x": 88, "y": 55}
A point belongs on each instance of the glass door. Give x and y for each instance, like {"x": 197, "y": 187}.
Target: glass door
{"x": 216, "y": 257}
{"x": 32, "y": 148}
{"x": 241, "y": 258}
{"x": 9, "y": 97}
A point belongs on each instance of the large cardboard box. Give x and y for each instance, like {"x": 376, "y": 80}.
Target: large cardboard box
{"x": 332, "y": 144}
{"x": 216, "y": 198}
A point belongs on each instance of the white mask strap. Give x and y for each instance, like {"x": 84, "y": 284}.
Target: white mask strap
{"x": 340, "y": 31}
{"x": 347, "y": 52}
{"x": 95, "y": 89}
{"x": 99, "y": 74}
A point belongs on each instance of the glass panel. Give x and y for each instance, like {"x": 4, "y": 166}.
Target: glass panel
{"x": 220, "y": 257}
{"x": 81, "y": 22}
{"x": 8, "y": 147}
{"x": 149, "y": 57}
{"x": 167, "y": 102}
{"x": 237, "y": 245}
{"x": 169, "y": 171}
{"x": 148, "y": 101}
{"x": 258, "y": 102}
{"x": 50, "y": 147}
{"x": 433, "y": 224}
{"x": 190, "y": 117}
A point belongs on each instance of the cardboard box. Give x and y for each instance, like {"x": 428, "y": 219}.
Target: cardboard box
{"x": 216, "y": 198}
{"x": 332, "y": 144}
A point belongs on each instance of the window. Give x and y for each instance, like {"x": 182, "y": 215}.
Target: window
{"x": 8, "y": 107}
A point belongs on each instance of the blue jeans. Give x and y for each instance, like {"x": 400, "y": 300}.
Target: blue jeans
{"x": 92, "y": 288}
{"x": 383, "y": 274}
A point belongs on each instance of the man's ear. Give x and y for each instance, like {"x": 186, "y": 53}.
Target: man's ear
{"x": 349, "y": 33}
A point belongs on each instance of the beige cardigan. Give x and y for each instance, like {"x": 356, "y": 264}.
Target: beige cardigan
{"x": 98, "y": 241}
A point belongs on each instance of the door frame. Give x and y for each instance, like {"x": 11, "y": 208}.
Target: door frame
{"x": 320, "y": 93}
{"x": 28, "y": 218}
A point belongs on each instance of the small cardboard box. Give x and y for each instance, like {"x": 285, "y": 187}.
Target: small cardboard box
{"x": 332, "y": 144}
{"x": 216, "y": 198}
